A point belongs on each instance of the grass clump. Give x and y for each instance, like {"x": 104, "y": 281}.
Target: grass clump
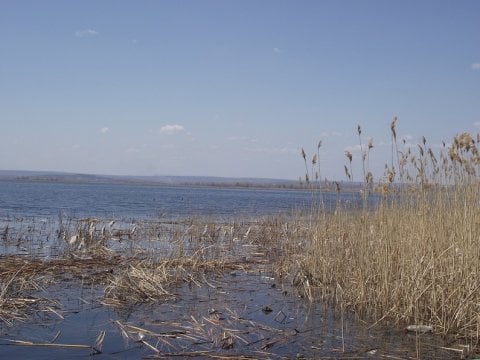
{"x": 18, "y": 282}
{"x": 153, "y": 280}
{"x": 195, "y": 250}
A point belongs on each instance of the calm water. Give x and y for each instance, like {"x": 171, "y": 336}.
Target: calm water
{"x": 135, "y": 201}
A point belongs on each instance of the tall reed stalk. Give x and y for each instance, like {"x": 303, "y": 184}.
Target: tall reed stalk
{"x": 415, "y": 258}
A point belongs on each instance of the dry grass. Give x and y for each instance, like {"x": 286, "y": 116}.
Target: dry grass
{"x": 18, "y": 280}
{"x": 415, "y": 258}
{"x": 153, "y": 280}
{"x": 192, "y": 250}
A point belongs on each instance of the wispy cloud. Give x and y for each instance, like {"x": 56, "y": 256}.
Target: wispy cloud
{"x": 171, "y": 129}
{"x": 272, "y": 150}
{"x": 476, "y": 66}
{"x": 477, "y": 124}
{"x": 104, "y": 130}
{"x": 277, "y": 50}
{"x": 85, "y": 32}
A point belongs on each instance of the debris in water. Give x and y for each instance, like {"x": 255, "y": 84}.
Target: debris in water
{"x": 267, "y": 309}
{"x": 420, "y": 328}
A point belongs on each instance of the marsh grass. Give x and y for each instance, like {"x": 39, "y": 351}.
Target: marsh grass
{"x": 153, "y": 280}
{"x": 19, "y": 280}
{"x": 144, "y": 265}
{"x": 195, "y": 250}
{"x": 413, "y": 259}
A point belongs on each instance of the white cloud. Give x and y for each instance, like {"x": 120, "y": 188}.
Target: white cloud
{"x": 277, "y": 50}
{"x": 272, "y": 150}
{"x": 171, "y": 129}
{"x": 476, "y": 66}
{"x": 477, "y": 124}
{"x": 85, "y": 32}
{"x": 353, "y": 149}
{"x": 104, "y": 130}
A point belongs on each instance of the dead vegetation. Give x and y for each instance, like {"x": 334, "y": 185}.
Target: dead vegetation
{"x": 150, "y": 280}
{"x": 218, "y": 335}
{"x": 149, "y": 269}
{"x": 18, "y": 281}
{"x": 414, "y": 257}
{"x": 142, "y": 267}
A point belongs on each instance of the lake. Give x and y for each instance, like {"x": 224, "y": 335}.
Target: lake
{"x": 136, "y": 201}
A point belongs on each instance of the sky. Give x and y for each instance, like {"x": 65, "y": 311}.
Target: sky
{"x": 231, "y": 88}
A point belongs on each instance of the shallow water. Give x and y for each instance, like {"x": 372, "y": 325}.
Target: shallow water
{"x": 246, "y": 312}
{"x": 235, "y": 304}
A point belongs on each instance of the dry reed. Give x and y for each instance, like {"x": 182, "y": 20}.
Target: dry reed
{"x": 18, "y": 281}
{"x": 151, "y": 280}
{"x": 415, "y": 257}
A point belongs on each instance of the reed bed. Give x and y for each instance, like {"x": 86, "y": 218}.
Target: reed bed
{"x": 414, "y": 258}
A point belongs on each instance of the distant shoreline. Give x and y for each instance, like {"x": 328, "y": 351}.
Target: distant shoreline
{"x": 70, "y": 178}
{"x": 180, "y": 181}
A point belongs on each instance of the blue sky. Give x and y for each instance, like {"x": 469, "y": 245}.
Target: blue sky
{"x": 230, "y": 88}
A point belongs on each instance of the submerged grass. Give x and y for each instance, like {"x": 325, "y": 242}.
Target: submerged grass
{"x": 214, "y": 335}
